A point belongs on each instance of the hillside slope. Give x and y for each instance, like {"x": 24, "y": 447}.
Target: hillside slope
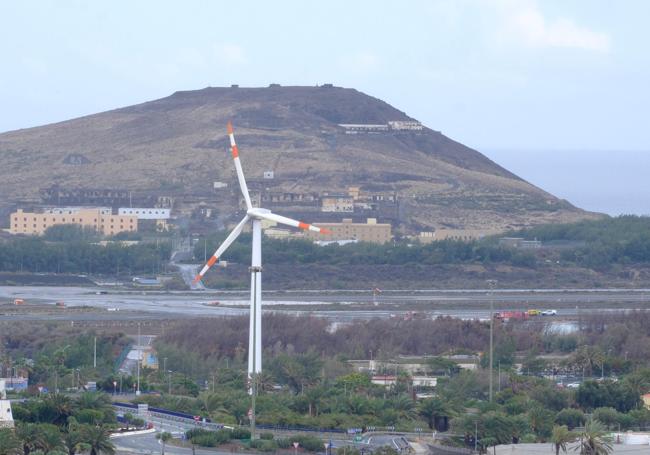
{"x": 177, "y": 145}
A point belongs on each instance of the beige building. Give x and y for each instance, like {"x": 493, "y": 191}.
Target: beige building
{"x": 426, "y": 237}
{"x": 337, "y": 203}
{"x": 371, "y": 231}
{"x": 101, "y": 219}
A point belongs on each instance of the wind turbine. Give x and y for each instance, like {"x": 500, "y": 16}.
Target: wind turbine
{"x": 255, "y": 215}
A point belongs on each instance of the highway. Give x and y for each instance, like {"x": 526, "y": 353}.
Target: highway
{"x": 337, "y": 305}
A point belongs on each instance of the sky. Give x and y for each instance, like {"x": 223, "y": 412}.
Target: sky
{"x": 555, "y": 90}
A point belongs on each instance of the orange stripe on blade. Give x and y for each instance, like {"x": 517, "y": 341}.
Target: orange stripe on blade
{"x": 235, "y": 151}
{"x": 325, "y": 231}
{"x": 229, "y": 128}
{"x": 197, "y": 278}
{"x": 211, "y": 261}
{"x": 302, "y": 225}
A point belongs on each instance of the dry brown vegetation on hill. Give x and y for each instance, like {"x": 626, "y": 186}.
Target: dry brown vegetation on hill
{"x": 178, "y": 145}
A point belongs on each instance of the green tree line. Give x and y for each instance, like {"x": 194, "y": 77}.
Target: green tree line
{"x": 78, "y": 256}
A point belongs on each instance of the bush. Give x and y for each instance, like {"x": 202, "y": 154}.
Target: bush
{"x": 240, "y": 433}
{"x": 206, "y": 438}
{"x": 570, "y": 417}
{"x": 528, "y": 438}
{"x": 264, "y": 445}
{"x": 310, "y": 443}
{"x": 267, "y": 436}
{"x": 284, "y": 443}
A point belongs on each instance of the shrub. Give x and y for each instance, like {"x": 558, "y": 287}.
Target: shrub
{"x": 264, "y": 445}
{"x": 267, "y": 436}
{"x": 206, "y": 438}
{"x": 240, "y": 433}
{"x": 310, "y": 443}
{"x": 570, "y": 417}
{"x": 284, "y": 443}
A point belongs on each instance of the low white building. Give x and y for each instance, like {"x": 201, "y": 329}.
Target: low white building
{"x": 145, "y": 213}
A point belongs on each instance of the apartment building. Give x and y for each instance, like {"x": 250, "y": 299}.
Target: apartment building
{"x": 100, "y": 218}
{"x": 370, "y": 231}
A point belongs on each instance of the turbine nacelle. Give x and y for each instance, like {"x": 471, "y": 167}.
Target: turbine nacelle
{"x": 258, "y": 213}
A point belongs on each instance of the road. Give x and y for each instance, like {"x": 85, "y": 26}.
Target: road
{"x": 458, "y": 303}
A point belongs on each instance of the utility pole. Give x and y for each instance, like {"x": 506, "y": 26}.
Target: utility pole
{"x": 137, "y": 392}
{"x": 491, "y": 285}
{"x": 95, "y": 354}
{"x": 499, "y": 386}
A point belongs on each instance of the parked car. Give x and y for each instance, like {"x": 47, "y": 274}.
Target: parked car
{"x": 549, "y": 313}
{"x": 533, "y": 312}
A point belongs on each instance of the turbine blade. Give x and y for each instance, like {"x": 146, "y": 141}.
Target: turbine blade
{"x": 291, "y": 222}
{"x": 222, "y": 248}
{"x": 240, "y": 172}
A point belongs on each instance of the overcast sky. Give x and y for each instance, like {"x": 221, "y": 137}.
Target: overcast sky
{"x": 524, "y": 81}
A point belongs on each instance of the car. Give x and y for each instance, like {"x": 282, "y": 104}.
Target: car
{"x": 549, "y": 313}
{"x": 534, "y": 312}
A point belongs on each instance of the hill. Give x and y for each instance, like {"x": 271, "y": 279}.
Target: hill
{"x": 177, "y": 147}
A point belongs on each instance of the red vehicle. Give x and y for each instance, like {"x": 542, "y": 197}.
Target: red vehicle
{"x": 508, "y": 315}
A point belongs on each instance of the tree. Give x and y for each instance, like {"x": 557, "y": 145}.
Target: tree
{"x": 570, "y": 417}
{"x": 27, "y": 433}
{"x": 164, "y": 437}
{"x": 48, "y": 438}
{"x": 432, "y": 409}
{"x": 95, "y": 400}
{"x": 404, "y": 406}
{"x": 594, "y": 440}
{"x": 541, "y": 421}
{"x": 98, "y": 439}
{"x": 588, "y": 357}
{"x": 9, "y": 443}
{"x": 59, "y": 406}
{"x": 560, "y": 437}
{"x": 72, "y": 439}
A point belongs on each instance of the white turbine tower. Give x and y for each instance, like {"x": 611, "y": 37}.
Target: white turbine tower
{"x": 254, "y": 215}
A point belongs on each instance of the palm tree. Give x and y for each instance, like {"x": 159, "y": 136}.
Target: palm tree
{"x": 98, "y": 439}
{"x": 48, "y": 438}
{"x": 72, "y": 439}
{"x": 561, "y": 437}
{"x": 594, "y": 440}
{"x": 404, "y": 406}
{"x": 164, "y": 437}
{"x": 61, "y": 406}
{"x": 94, "y": 400}
{"x": 27, "y": 433}
{"x": 588, "y": 357}
{"x": 9, "y": 443}
{"x": 431, "y": 409}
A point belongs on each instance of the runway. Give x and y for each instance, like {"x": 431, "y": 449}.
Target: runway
{"x": 334, "y": 304}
